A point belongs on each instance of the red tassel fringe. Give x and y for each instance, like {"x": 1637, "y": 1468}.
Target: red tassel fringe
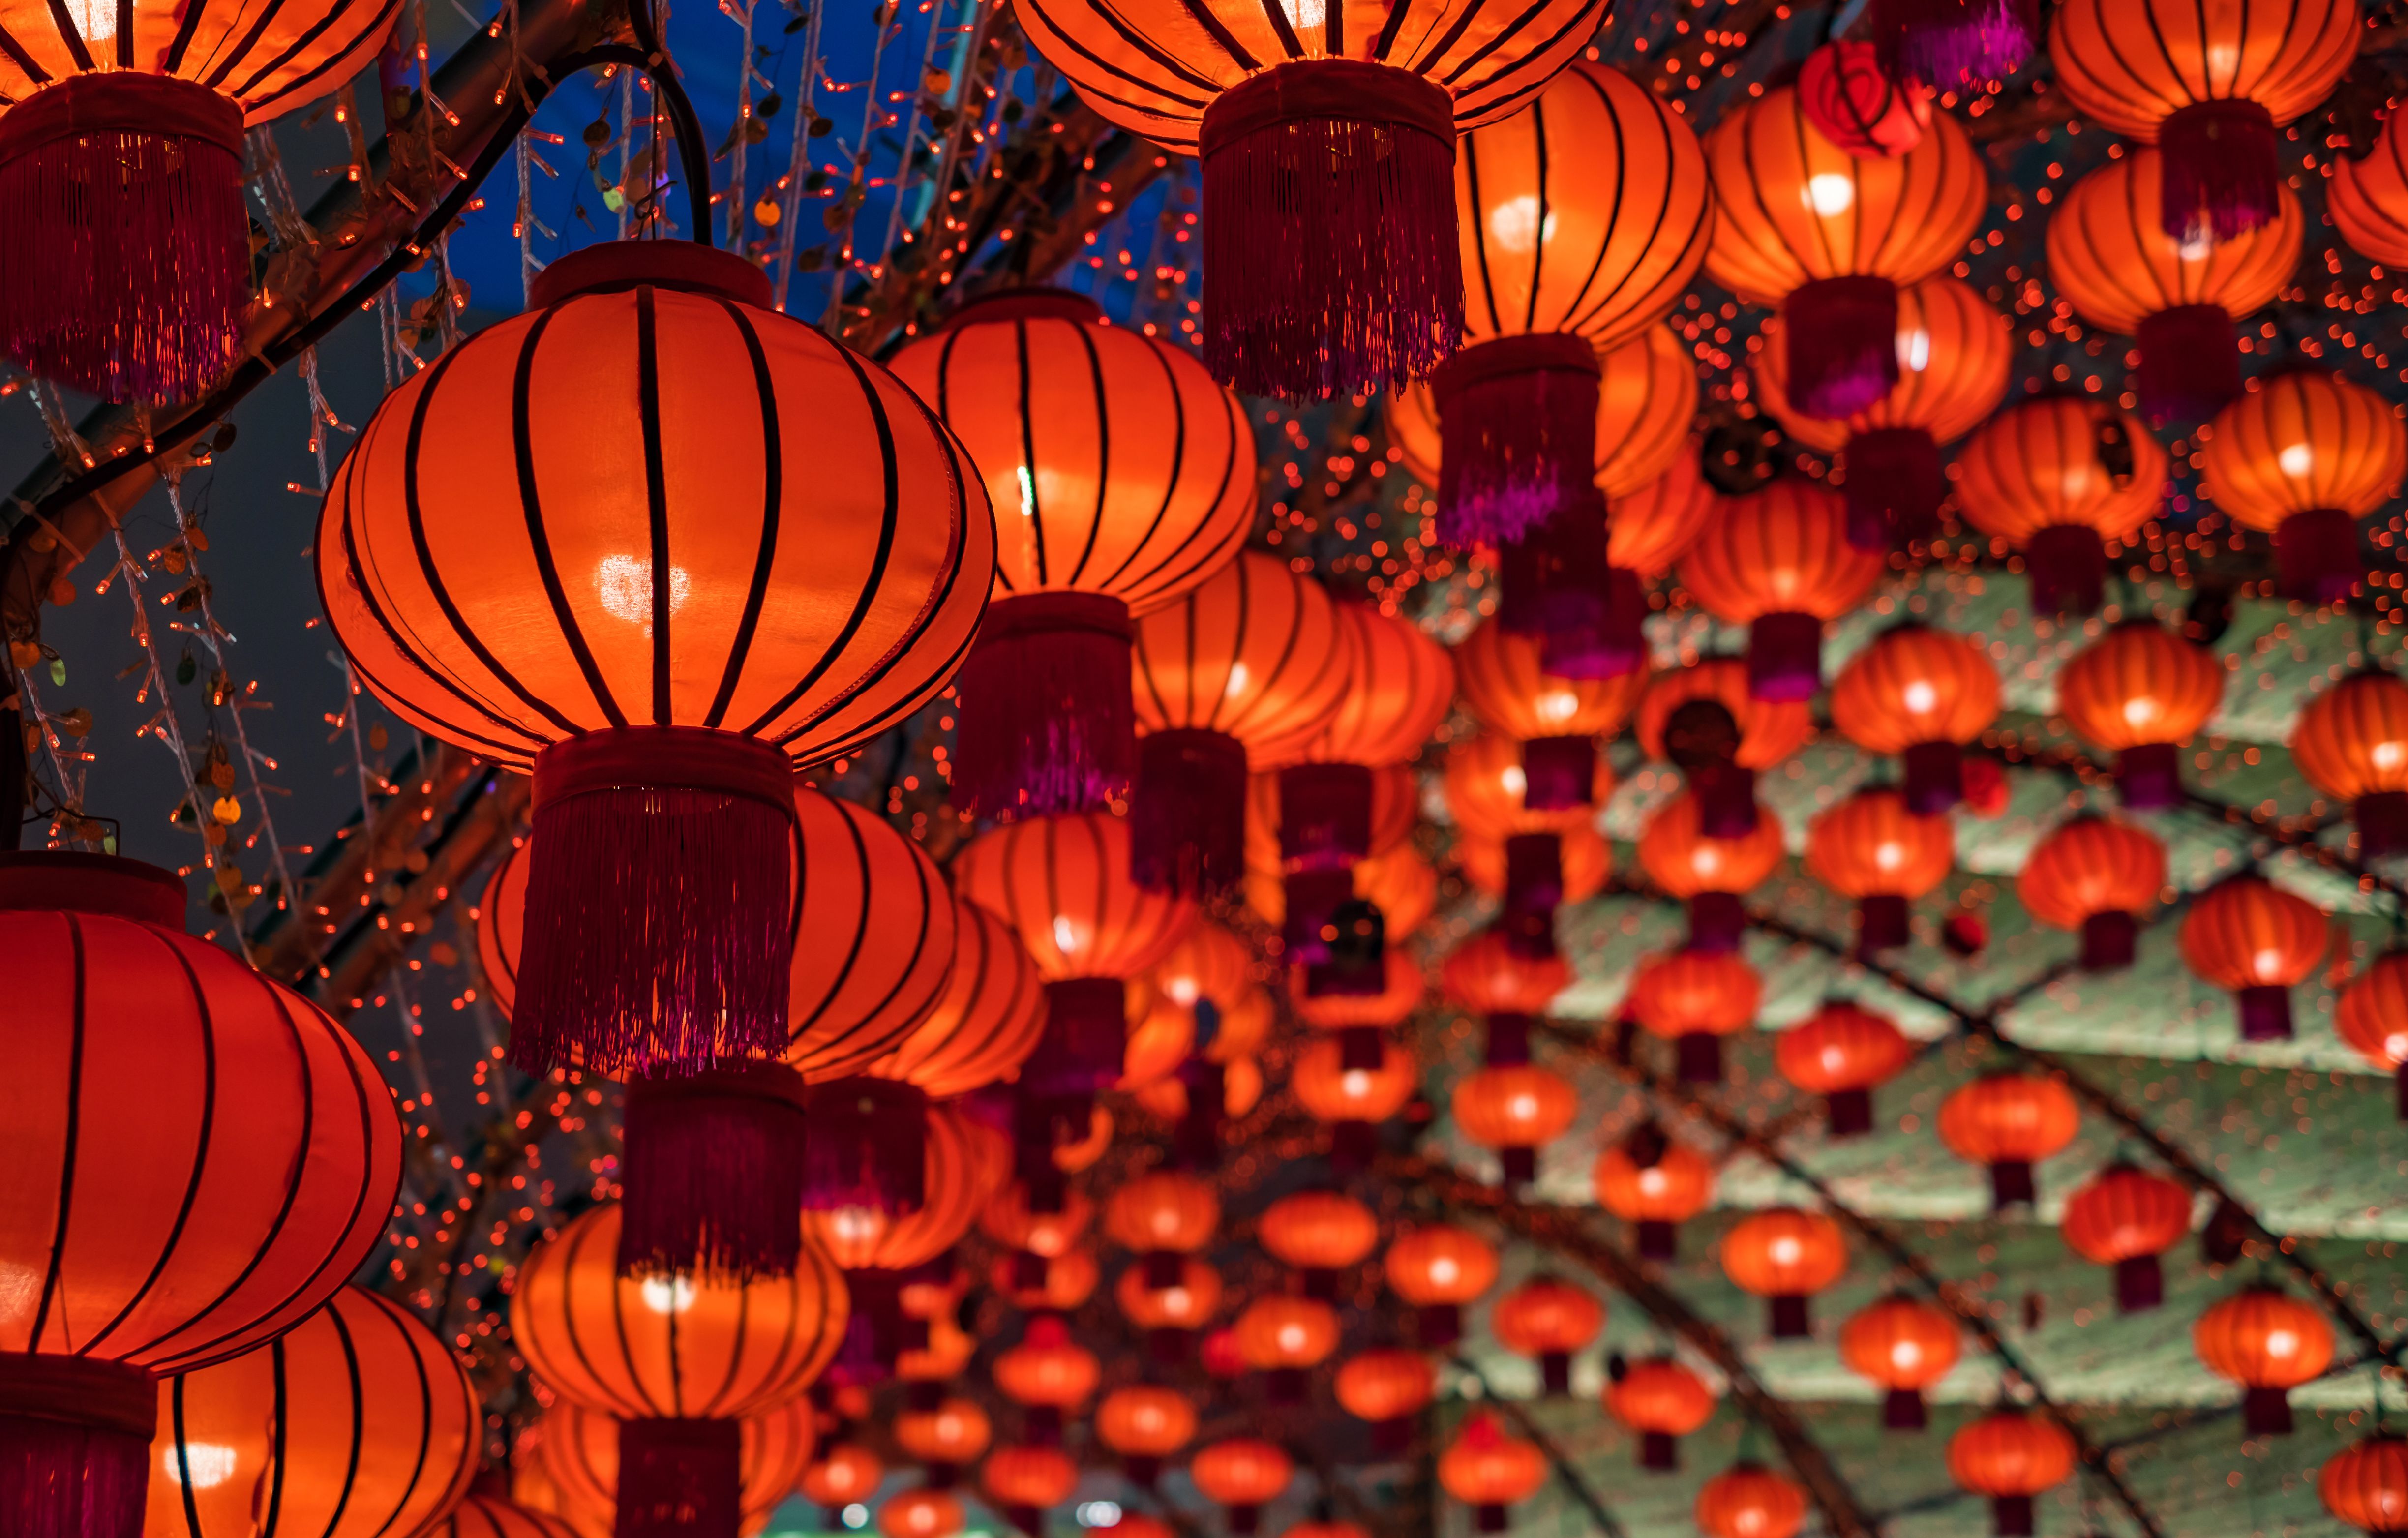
{"x": 2190, "y": 363}
{"x": 1517, "y": 423}
{"x": 868, "y": 1147}
{"x": 74, "y": 1446}
{"x": 124, "y": 256}
{"x": 713, "y": 1175}
{"x": 1894, "y": 488}
{"x": 1948, "y": 44}
{"x": 679, "y": 1479}
{"x": 1843, "y": 338}
{"x": 1187, "y": 818}
{"x": 1047, "y": 721}
{"x": 2221, "y": 169}
{"x": 1329, "y": 232}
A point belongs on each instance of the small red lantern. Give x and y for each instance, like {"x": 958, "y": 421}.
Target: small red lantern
{"x": 2140, "y": 691}
{"x": 1286, "y": 1337}
{"x": 1655, "y": 1184}
{"x": 1549, "y": 1318}
{"x": 1242, "y": 1475}
{"x": 1843, "y": 1052}
{"x": 2011, "y": 1457}
{"x": 2365, "y": 1486}
{"x": 1145, "y": 1423}
{"x": 1904, "y": 1347}
{"x": 1749, "y": 1501}
{"x": 1162, "y": 1217}
{"x": 1026, "y": 1482}
{"x": 1784, "y": 1255}
{"x": 2372, "y": 1017}
{"x": 1319, "y": 1233}
{"x": 1922, "y": 694}
{"x": 2096, "y": 877}
{"x": 1871, "y": 847}
{"x": 1352, "y": 1102}
{"x": 1489, "y": 1471}
{"x": 2352, "y": 743}
{"x": 1693, "y": 998}
{"x": 1515, "y": 1111}
{"x": 1663, "y": 1401}
{"x": 2127, "y": 1217}
{"x": 1708, "y": 871}
{"x": 1048, "y": 1375}
{"x": 2257, "y": 941}
{"x": 2009, "y": 1122}
{"x": 1387, "y": 1387}
{"x": 1438, "y": 1269}
{"x": 2268, "y": 1343}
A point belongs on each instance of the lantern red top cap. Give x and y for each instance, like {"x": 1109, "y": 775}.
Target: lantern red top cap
{"x": 61, "y": 879}
{"x": 685, "y": 264}
{"x": 1033, "y": 303}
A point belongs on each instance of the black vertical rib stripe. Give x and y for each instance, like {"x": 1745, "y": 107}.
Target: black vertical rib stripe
{"x": 1032, "y": 505}
{"x": 307, "y": 39}
{"x": 1333, "y": 37}
{"x": 1385, "y": 44}
{"x": 68, "y": 34}
{"x": 70, "y": 1139}
{"x": 1103, "y": 414}
{"x": 773, "y": 489}
{"x": 306, "y": 84}
{"x": 185, "y": 32}
{"x": 656, "y": 499}
{"x": 342, "y": 1329}
{"x": 215, "y": 78}
{"x": 125, "y": 32}
{"x": 1140, "y": 584}
{"x": 183, "y": 1458}
{"x": 889, "y": 517}
{"x": 24, "y": 61}
{"x": 1468, "y": 147}
{"x": 1202, "y": 13}
{"x": 539, "y": 538}
{"x": 570, "y": 1243}
{"x": 1546, "y": 200}
{"x": 402, "y": 1327}
{"x": 1276, "y": 18}
{"x": 1631, "y": 274}
{"x": 201, "y": 1144}
{"x": 853, "y": 842}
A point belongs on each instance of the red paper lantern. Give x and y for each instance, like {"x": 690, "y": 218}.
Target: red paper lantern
{"x": 1347, "y": 278}
{"x": 2011, "y": 1457}
{"x": 1251, "y": 658}
{"x": 1710, "y": 873}
{"x": 2366, "y": 1484}
{"x": 1241, "y": 1474}
{"x": 1655, "y": 1184}
{"x": 921, "y": 1514}
{"x": 1387, "y": 1387}
{"x": 2009, "y": 1122}
{"x": 1438, "y": 1268}
{"x": 2303, "y": 454}
{"x": 1486, "y": 783}
{"x": 1126, "y": 477}
{"x": 1749, "y": 1501}
{"x": 1145, "y": 1424}
{"x": 1489, "y": 1472}
{"x": 356, "y": 1422}
{"x": 1048, "y": 1376}
{"x": 2140, "y": 692}
{"x": 201, "y": 1157}
{"x": 1784, "y": 1255}
{"x": 2372, "y": 1017}
{"x": 1704, "y": 719}
{"x": 2268, "y": 1343}
{"x": 2096, "y": 877}
{"x": 2352, "y": 743}
{"x": 1903, "y": 1347}
{"x": 580, "y": 1449}
{"x": 1514, "y": 1110}
{"x": 2127, "y": 1217}
{"x": 1779, "y": 560}
{"x": 1858, "y": 104}
{"x": 1494, "y": 978}
{"x": 1843, "y": 1052}
{"x": 1027, "y": 1481}
{"x": 1921, "y": 694}
{"x": 2258, "y": 943}
{"x": 1693, "y": 998}
{"x": 1160, "y": 1216}
{"x": 2057, "y": 476}
{"x": 748, "y": 635}
{"x": 1663, "y": 1401}
{"x": 946, "y": 1437}
{"x": 2368, "y": 199}
{"x": 1170, "y": 1315}
{"x": 1284, "y": 1338}
{"x": 1319, "y": 1234}
{"x": 1508, "y": 687}
{"x": 1828, "y": 238}
{"x": 986, "y": 1021}
{"x": 2178, "y": 298}
{"x": 1871, "y": 847}
{"x": 1352, "y": 1102}
{"x": 1549, "y": 1318}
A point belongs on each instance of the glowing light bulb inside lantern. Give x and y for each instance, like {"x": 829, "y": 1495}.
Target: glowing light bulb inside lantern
{"x": 1239, "y": 681}
{"x": 2141, "y": 710}
{"x": 1177, "y": 1303}
{"x": 624, "y": 586}
{"x": 1166, "y": 1225}
{"x": 857, "y": 1225}
{"x": 2282, "y": 1342}
{"x": 1914, "y": 349}
{"x": 667, "y": 1294}
{"x": 1513, "y": 781}
{"x": 1149, "y": 1417}
{"x": 1652, "y": 1181}
{"x": 2266, "y": 964}
{"x": 2387, "y": 756}
{"x": 1888, "y": 855}
{"x": 1305, "y": 15}
{"x": 1557, "y": 705}
{"x": 2198, "y": 243}
{"x": 199, "y": 1465}
{"x": 1834, "y": 1059}
{"x": 2397, "y": 1044}
{"x": 1445, "y": 1271}
{"x": 96, "y": 20}
{"x": 1706, "y": 862}
{"x": 1356, "y": 1082}
{"x": 1515, "y": 224}
{"x": 1785, "y": 1251}
{"x": 1184, "y": 991}
{"x": 1522, "y": 1107}
{"x": 1905, "y": 1353}
{"x": 2295, "y": 459}
{"x": 1291, "y": 1337}
{"x": 1066, "y": 938}
{"x": 1920, "y": 696}
{"x": 1831, "y": 193}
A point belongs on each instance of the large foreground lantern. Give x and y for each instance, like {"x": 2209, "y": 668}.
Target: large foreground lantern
{"x": 200, "y": 1158}
{"x": 1582, "y": 220}
{"x": 586, "y": 543}
{"x": 1125, "y": 477}
{"x": 124, "y": 261}
{"x": 1327, "y": 137}
{"x": 1827, "y": 239}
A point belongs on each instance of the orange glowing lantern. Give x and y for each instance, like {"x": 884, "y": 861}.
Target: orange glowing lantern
{"x": 1027, "y": 1481}
{"x": 2127, "y": 1217}
{"x": 1779, "y": 562}
{"x": 1871, "y": 848}
{"x": 1387, "y": 1387}
{"x": 2257, "y": 942}
{"x": 1161, "y": 1216}
{"x": 1707, "y": 871}
{"x": 1505, "y": 684}
{"x": 2352, "y": 743}
{"x": 1703, "y": 720}
{"x": 1784, "y": 1255}
{"x": 921, "y": 1514}
{"x": 1145, "y": 1424}
{"x": 1749, "y": 1501}
{"x": 1285, "y": 1338}
{"x": 1438, "y": 1268}
{"x": 2011, "y": 1456}
{"x": 2268, "y": 1343}
{"x": 1655, "y": 1184}
{"x": 1693, "y": 998}
{"x": 580, "y": 1450}
{"x": 1489, "y": 1472}
{"x": 1663, "y": 1401}
{"x": 2009, "y": 1122}
{"x": 946, "y": 1438}
{"x": 2096, "y": 877}
{"x": 2366, "y": 1484}
{"x": 1241, "y": 1474}
{"x": 1551, "y": 1319}
{"x": 2372, "y": 1017}
{"x": 2303, "y": 454}
{"x": 1171, "y": 1316}
{"x": 1922, "y": 694}
{"x": 1903, "y": 1347}
{"x": 1843, "y": 1052}
{"x": 1352, "y": 1102}
{"x": 1514, "y": 1110}
{"x": 1048, "y": 1375}
{"x": 1320, "y": 1234}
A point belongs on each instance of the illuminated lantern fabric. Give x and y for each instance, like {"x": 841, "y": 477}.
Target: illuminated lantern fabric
{"x": 2178, "y": 298}
{"x": 1663, "y": 1401}
{"x": 1749, "y": 1501}
{"x": 945, "y": 1438}
{"x": 580, "y": 1450}
{"x": 2368, "y": 199}
{"x": 1843, "y": 1052}
{"x": 1063, "y": 885}
{"x": 2304, "y": 455}
{"x": 661, "y": 660}
{"x": 1707, "y": 873}
{"x": 1399, "y": 685}
{"x": 986, "y": 1021}
{"x": 1036, "y": 1282}
{"x": 1693, "y": 998}
{"x": 1655, "y": 1184}
{"x": 1854, "y": 101}
{"x": 1534, "y": 873}
{"x": 1904, "y": 1347}
{"x": 1871, "y": 848}
{"x": 1954, "y": 353}
{"x": 1027, "y": 1481}
{"x": 1320, "y": 1234}
{"x": 1285, "y": 1338}
{"x": 1145, "y": 1424}
{"x": 1048, "y": 1375}
{"x": 1828, "y": 238}
{"x": 2011, "y": 1456}
{"x": 1509, "y": 988}
{"x": 1506, "y": 686}
{"x": 2096, "y": 877}
{"x": 1348, "y": 278}
{"x": 1704, "y": 720}
{"x": 1125, "y": 477}
{"x": 1581, "y": 219}
{"x": 2352, "y": 743}
{"x": 1254, "y": 656}
{"x": 2127, "y": 1217}
{"x": 1779, "y": 560}
{"x": 2009, "y": 1122}
{"x": 183, "y": 1215}
{"x": 1652, "y": 524}
{"x": 1387, "y": 1387}
{"x": 2140, "y": 692}
{"x": 1437, "y": 1269}
{"x": 681, "y": 1362}
{"x": 1551, "y": 1319}
{"x": 124, "y": 262}
{"x": 2057, "y": 478}
{"x": 1170, "y": 1315}
{"x": 2366, "y": 1484}
{"x": 1160, "y": 1216}
{"x": 1784, "y": 1255}
{"x": 1010, "y": 1222}
{"x": 1241, "y": 1474}
{"x": 921, "y": 1514}
{"x": 960, "y": 1168}
{"x": 1516, "y": 1110}
{"x": 844, "y": 1473}
{"x": 1921, "y": 694}
{"x": 490, "y": 1517}
{"x": 2372, "y": 1017}
{"x": 356, "y": 1423}
{"x": 1485, "y": 786}
{"x": 1352, "y": 1102}
{"x": 2258, "y": 943}
{"x": 2268, "y": 1343}
{"x": 1489, "y": 1472}
{"x": 2209, "y": 88}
